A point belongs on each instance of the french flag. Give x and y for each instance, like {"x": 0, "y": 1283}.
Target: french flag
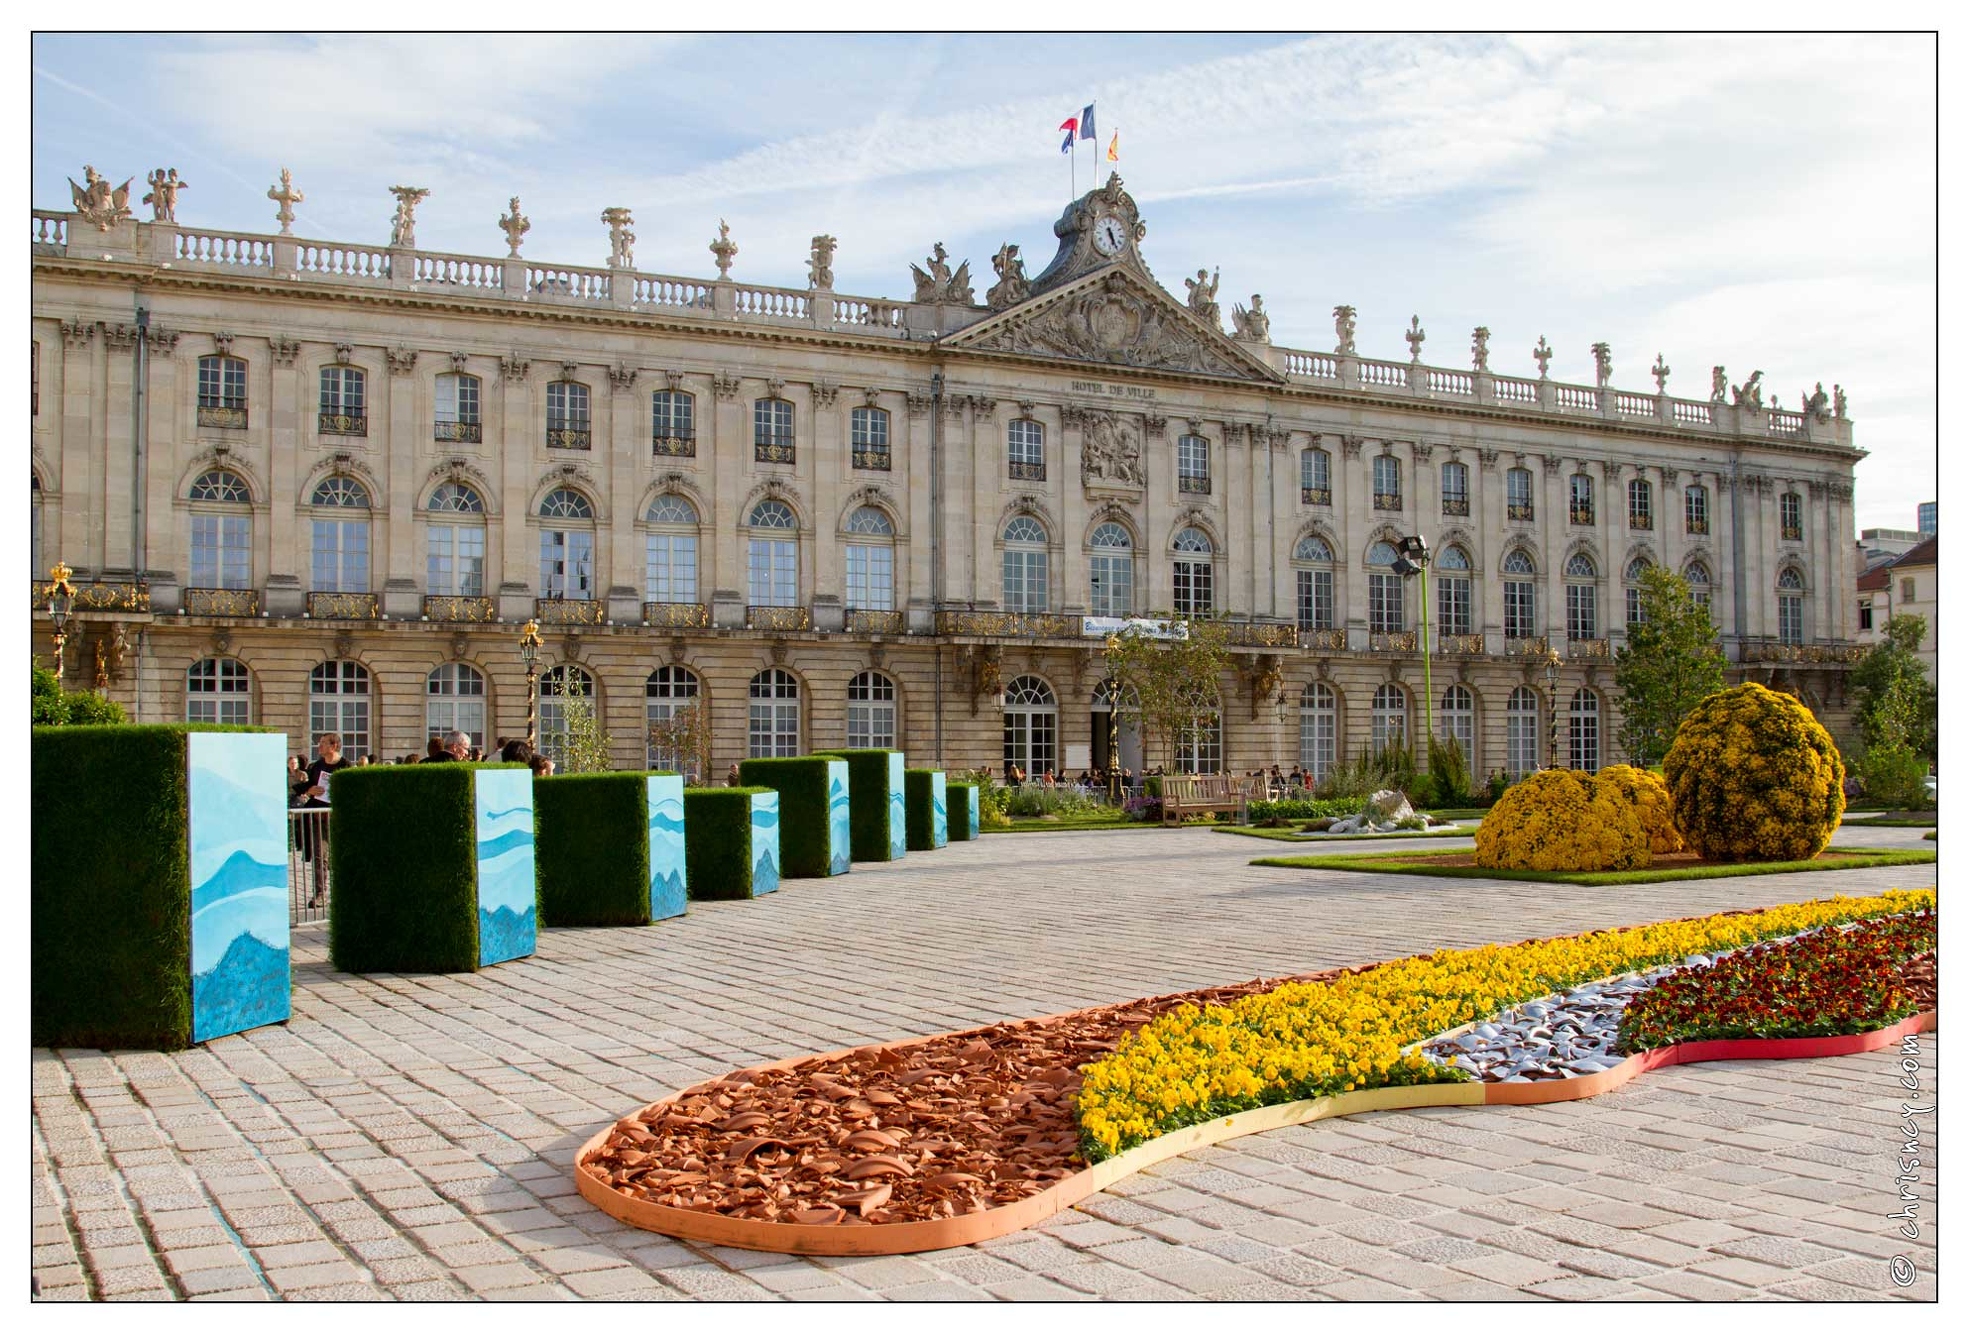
{"x": 1077, "y": 127}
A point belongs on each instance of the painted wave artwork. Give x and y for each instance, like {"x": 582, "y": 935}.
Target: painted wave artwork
{"x": 503, "y": 800}
{"x": 765, "y": 842}
{"x": 240, "y": 975}
{"x": 838, "y": 826}
{"x": 898, "y": 809}
{"x": 939, "y": 810}
{"x": 667, "y": 886}
{"x": 974, "y": 814}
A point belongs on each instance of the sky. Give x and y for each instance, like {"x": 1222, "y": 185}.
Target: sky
{"x": 1760, "y": 201}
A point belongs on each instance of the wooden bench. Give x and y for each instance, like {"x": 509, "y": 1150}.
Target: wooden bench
{"x": 1195, "y": 794}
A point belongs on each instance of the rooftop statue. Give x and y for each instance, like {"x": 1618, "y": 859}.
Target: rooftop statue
{"x": 941, "y": 286}
{"x": 1012, "y": 286}
{"x": 1750, "y": 394}
{"x": 98, "y": 202}
{"x": 621, "y": 255}
{"x": 1343, "y": 328}
{"x": 403, "y": 227}
{"x": 515, "y": 225}
{"x": 1203, "y": 297}
{"x": 163, "y": 196}
{"x": 1719, "y": 385}
{"x": 724, "y": 250}
{"x": 820, "y": 264}
{"x": 1253, "y": 325}
{"x": 287, "y": 197}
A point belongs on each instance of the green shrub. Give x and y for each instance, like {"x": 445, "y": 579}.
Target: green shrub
{"x": 591, "y": 836}
{"x": 871, "y": 838}
{"x": 718, "y": 842}
{"x": 805, "y": 847}
{"x": 55, "y": 707}
{"x": 1894, "y": 775}
{"x": 1299, "y": 808}
{"x": 1031, "y": 800}
{"x": 1448, "y": 782}
{"x": 1390, "y": 768}
{"x": 403, "y": 849}
{"x": 957, "y": 796}
{"x": 1755, "y": 778}
{"x": 920, "y": 789}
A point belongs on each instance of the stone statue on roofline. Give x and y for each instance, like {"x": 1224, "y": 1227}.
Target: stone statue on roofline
{"x": 1816, "y": 403}
{"x": 1012, "y": 286}
{"x": 1719, "y": 385}
{"x": 1253, "y": 325}
{"x": 1343, "y": 329}
{"x": 939, "y": 285}
{"x": 820, "y": 264}
{"x": 163, "y": 196}
{"x": 1750, "y": 394}
{"x": 1203, "y": 297}
{"x": 98, "y": 202}
{"x": 403, "y": 227}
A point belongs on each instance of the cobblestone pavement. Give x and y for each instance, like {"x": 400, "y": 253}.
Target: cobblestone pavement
{"x": 410, "y": 1136}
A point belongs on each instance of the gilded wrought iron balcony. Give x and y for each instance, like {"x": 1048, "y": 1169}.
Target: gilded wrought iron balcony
{"x": 1323, "y": 640}
{"x": 1519, "y": 513}
{"x": 1792, "y": 532}
{"x": 570, "y": 611}
{"x": 861, "y": 622}
{"x": 1262, "y": 634}
{"x": 778, "y": 618}
{"x": 341, "y": 423}
{"x": 1387, "y": 500}
{"x": 1640, "y": 523}
{"x": 1696, "y": 527}
{"x": 674, "y": 446}
{"x": 1195, "y": 486}
{"x": 98, "y": 596}
{"x": 876, "y": 459}
{"x": 1582, "y": 515}
{"x": 1020, "y": 471}
{"x": 1775, "y": 650}
{"x": 772, "y": 451}
{"x": 1391, "y": 641}
{"x": 677, "y": 615}
{"x": 222, "y": 602}
{"x": 1315, "y": 495}
{"x": 1457, "y": 505}
{"x": 567, "y": 437}
{"x": 455, "y": 607}
{"x": 1467, "y": 646}
{"x": 1586, "y": 648}
{"x": 458, "y": 433}
{"x": 1008, "y": 624}
{"x": 343, "y": 607}
{"x": 223, "y": 416}
{"x": 1530, "y": 646}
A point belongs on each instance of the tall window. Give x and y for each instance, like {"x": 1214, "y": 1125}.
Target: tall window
{"x": 454, "y": 542}
{"x": 1025, "y": 565}
{"x": 1582, "y": 597}
{"x": 1695, "y": 511}
{"x": 1521, "y": 732}
{"x": 773, "y": 718}
{"x": 1384, "y": 590}
{"x": 1312, "y": 559}
{"x": 1193, "y": 573}
{"x": 218, "y": 690}
{"x": 1517, "y": 495}
{"x": 1315, "y": 477}
{"x": 343, "y": 407}
{"x": 1581, "y": 492}
{"x": 673, "y": 423}
{"x": 567, "y": 415}
{"x": 1697, "y": 575}
{"x": 454, "y": 701}
{"x": 221, "y": 531}
{"x": 1791, "y": 517}
{"x": 668, "y": 691}
{"x": 868, "y": 431}
{"x": 872, "y": 712}
{"x": 341, "y": 536}
{"x": 1635, "y": 569}
{"x": 1200, "y": 741}
{"x": 1583, "y": 731}
{"x": 772, "y": 556}
{"x": 1520, "y": 595}
{"x": 1456, "y": 721}
{"x": 1641, "y": 505}
{"x": 567, "y": 545}
{"x": 871, "y": 560}
{"x": 1390, "y": 716}
{"x": 34, "y": 528}
{"x": 221, "y": 392}
{"x": 670, "y": 549}
{"x": 1387, "y": 482}
{"x": 772, "y": 430}
{"x": 1025, "y": 450}
{"x": 338, "y": 701}
{"x": 1111, "y": 571}
{"x": 1453, "y": 592}
{"x": 1456, "y": 488}
{"x": 455, "y": 414}
{"x": 557, "y": 686}
{"x": 1193, "y": 464}
{"x": 1791, "y": 606}
{"x": 1319, "y": 728}
{"x": 1032, "y": 718}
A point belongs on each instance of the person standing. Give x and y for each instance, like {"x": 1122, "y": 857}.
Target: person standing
{"x": 328, "y": 762}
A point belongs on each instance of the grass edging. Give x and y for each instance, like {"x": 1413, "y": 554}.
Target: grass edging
{"x": 1291, "y": 836}
{"x": 1396, "y": 863}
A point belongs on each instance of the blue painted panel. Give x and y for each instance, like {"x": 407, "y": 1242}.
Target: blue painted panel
{"x": 765, "y": 843}
{"x": 973, "y": 800}
{"x": 502, "y": 800}
{"x": 898, "y": 809}
{"x": 838, "y": 826}
{"x": 667, "y": 886}
{"x": 240, "y": 975}
{"x": 939, "y": 809}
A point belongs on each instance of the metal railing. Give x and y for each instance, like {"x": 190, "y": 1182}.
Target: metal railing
{"x": 458, "y": 433}
{"x": 674, "y": 446}
{"x": 1458, "y": 506}
{"x": 343, "y": 607}
{"x": 307, "y": 865}
{"x": 777, "y": 618}
{"x": 772, "y": 451}
{"x": 222, "y": 416}
{"x": 1315, "y": 495}
{"x": 677, "y": 615}
{"x": 876, "y": 459}
{"x": 1193, "y": 485}
{"x": 457, "y": 607}
{"x": 222, "y": 601}
{"x": 570, "y": 611}
{"x": 341, "y": 423}
{"x": 567, "y": 437}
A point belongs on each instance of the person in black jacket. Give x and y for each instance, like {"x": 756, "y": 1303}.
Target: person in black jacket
{"x": 314, "y": 796}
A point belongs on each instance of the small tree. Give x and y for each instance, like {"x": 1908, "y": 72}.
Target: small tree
{"x": 1894, "y": 701}
{"x": 587, "y": 740}
{"x": 55, "y": 707}
{"x": 1175, "y": 679}
{"x": 683, "y": 741}
{"x": 1670, "y": 664}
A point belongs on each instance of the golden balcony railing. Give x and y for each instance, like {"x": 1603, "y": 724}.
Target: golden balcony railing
{"x": 1009, "y": 624}
{"x": 1195, "y": 486}
{"x": 1696, "y": 527}
{"x": 1387, "y": 500}
{"x": 222, "y": 602}
{"x": 1459, "y": 506}
{"x": 1586, "y": 648}
{"x": 860, "y": 622}
{"x": 570, "y": 611}
{"x": 458, "y": 433}
{"x": 874, "y": 459}
{"x": 677, "y": 615}
{"x": 1323, "y": 640}
{"x": 1641, "y": 523}
{"x": 1315, "y": 495}
{"x": 341, "y": 423}
{"x": 455, "y": 607}
{"x": 1263, "y": 634}
{"x": 1391, "y": 641}
{"x": 772, "y": 451}
{"x": 224, "y": 417}
{"x": 1530, "y": 646}
{"x": 1020, "y": 471}
{"x": 1468, "y": 646}
{"x": 1582, "y": 515}
{"x": 1792, "y": 532}
{"x": 98, "y": 596}
{"x": 1518, "y": 513}
{"x": 673, "y": 446}
{"x": 1775, "y": 650}
{"x": 567, "y": 437}
{"x": 343, "y": 607}
{"x": 778, "y": 618}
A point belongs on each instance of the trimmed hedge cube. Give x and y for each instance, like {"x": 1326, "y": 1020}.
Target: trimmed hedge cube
{"x": 611, "y": 848}
{"x": 814, "y": 825}
{"x": 433, "y": 867}
{"x": 877, "y": 813}
{"x": 731, "y": 835}
{"x": 966, "y": 811}
{"x": 164, "y": 923}
{"x": 929, "y": 818}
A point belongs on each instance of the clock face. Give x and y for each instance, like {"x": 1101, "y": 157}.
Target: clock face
{"x": 1110, "y": 235}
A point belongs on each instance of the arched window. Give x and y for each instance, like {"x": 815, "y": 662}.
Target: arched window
{"x": 567, "y": 415}
{"x": 344, "y": 409}
{"x": 1641, "y": 505}
{"x": 1581, "y": 491}
{"x": 1387, "y": 482}
{"x": 1453, "y": 616}
{"x": 567, "y": 545}
{"x": 454, "y": 542}
{"x": 1637, "y": 567}
{"x": 1697, "y": 575}
{"x": 868, "y": 435}
{"x": 1193, "y": 465}
{"x": 1200, "y": 741}
{"x": 670, "y": 549}
{"x": 34, "y": 530}
{"x": 455, "y": 410}
{"x": 221, "y": 531}
{"x": 871, "y": 561}
{"x": 341, "y": 535}
{"x": 1025, "y": 565}
{"x": 1315, "y": 477}
{"x": 772, "y": 556}
{"x": 1456, "y": 721}
{"x": 1319, "y": 729}
{"x": 1520, "y": 595}
{"x": 1582, "y": 597}
{"x": 218, "y": 690}
{"x": 557, "y": 686}
{"x": 671, "y": 691}
{"x": 338, "y": 702}
{"x": 454, "y": 701}
{"x": 222, "y": 392}
{"x": 772, "y": 430}
{"x": 1194, "y": 592}
{"x": 1390, "y": 716}
{"x": 773, "y": 720}
{"x": 1384, "y": 590}
{"x": 1583, "y": 731}
{"x": 1025, "y": 450}
{"x": 673, "y": 424}
{"x": 1521, "y": 732}
{"x": 1031, "y": 726}
{"x": 1695, "y": 511}
{"x": 1791, "y": 606}
{"x": 1111, "y": 571}
{"x": 1517, "y": 496}
{"x": 872, "y": 712}
{"x": 1312, "y": 560}
{"x": 1456, "y": 489}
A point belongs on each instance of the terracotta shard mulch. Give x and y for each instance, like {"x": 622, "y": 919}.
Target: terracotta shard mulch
{"x": 954, "y": 1125}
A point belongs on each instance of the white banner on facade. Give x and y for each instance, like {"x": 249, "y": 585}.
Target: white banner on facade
{"x": 1100, "y": 627}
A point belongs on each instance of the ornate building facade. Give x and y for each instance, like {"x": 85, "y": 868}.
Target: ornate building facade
{"x": 318, "y": 486}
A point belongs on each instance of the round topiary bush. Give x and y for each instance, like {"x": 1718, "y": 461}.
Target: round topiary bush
{"x": 1649, "y": 796}
{"x": 1562, "y": 820}
{"x": 1755, "y": 777}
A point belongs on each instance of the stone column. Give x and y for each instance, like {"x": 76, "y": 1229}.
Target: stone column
{"x": 1487, "y": 521}
{"x": 1352, "y": 478}
{"x": 825, "y": 463}
{"x": 911, "y": 483}
{"x": 1556, "y": 528}
{"x": 171, "y": 416}
{"x": 287, "y": 406}
{"x": 730, "y": 444}
{"x": 985, "y": 474}
{"x": 1070, "y": 593}
{"x": 116, "y": 451}
{"x": 397, "y": 581}
{"x": 627, "y": 434}
{"x": 518, "y": 430}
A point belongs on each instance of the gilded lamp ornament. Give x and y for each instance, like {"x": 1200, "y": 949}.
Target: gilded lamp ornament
{"x": 61, "y": 604}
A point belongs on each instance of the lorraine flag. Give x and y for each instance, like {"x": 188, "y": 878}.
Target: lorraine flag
{"x": 1114, "y": 147}
{"x": 1071, "y": 124}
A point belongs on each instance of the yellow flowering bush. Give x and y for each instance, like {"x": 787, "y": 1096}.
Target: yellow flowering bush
{"x": 1562, "y": 820}
{"x": 1754, "y": 777}
{"x": 1645, "y": 791}
{"x": 1312, "y": 1039}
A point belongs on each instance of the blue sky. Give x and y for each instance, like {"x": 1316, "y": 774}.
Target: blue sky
{"x": 1761, "y": 201}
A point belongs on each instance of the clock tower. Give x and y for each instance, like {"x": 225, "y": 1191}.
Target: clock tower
{"x": 1099, "y": 229}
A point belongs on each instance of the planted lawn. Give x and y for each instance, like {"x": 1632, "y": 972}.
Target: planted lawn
{"x": 1462, "y": 865}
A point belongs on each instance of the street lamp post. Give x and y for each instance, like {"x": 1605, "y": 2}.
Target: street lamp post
{"x": 1551, "y": 707}
{"x": 529, "y": 651}
{"x": 1414, "y": 559}
{"x": 61, "y": 604}
{"x": 1113, "y": 688}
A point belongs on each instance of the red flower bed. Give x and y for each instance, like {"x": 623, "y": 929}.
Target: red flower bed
{"x": 1826, "y": 982}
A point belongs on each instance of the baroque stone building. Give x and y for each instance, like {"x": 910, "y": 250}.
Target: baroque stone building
{"x": 319, "y": 485}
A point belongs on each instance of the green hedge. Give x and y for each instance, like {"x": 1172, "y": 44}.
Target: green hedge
{"x": 1302, "y": 808}
{"x": 718, "y": 841}
{"x": 868, "y": 802}
{"x": 801, "y": 782}
{"x": 403, "y": 849}
{"x": 919, "y": 789}
{"x": 956, "y": 799}
{"x": 591, "y": 842}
